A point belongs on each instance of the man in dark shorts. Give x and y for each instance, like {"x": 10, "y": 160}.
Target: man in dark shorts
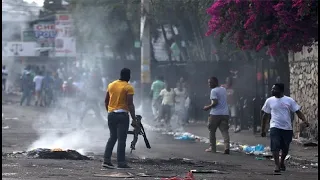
{"x": 277, "y": 109}
{"x": 119, "y": 103}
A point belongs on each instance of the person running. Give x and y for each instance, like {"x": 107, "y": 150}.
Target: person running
{"x": 119, "y": 102}
{"x": 156, "y": 87}
{"x": 277, "y": 110}
{"x": 219, "y": 115}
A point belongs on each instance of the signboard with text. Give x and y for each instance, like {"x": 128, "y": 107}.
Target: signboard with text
{"x": 45, "y": 34}
{"x": 65, "y": 42}
{"x": 10, "y": 49}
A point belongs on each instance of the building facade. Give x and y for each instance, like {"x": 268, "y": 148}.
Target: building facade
{"x": 304, "y": 87}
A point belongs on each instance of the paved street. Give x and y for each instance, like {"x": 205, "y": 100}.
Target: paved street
{"x": 163, "y": 160}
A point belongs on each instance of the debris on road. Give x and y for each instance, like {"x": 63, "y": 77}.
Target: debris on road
{"x": 57, "y": 153}
{"x": 260, "y": 158}
{"x": 208, "y": 171}
{"x": 314, "y": 165}
{"x": 14, "y": 118}
{"x": 5, "y": 127}
{"x": 186, "y": 136}
{"x": 8, "y": 174}
{"x": 189, "y": 176}
{"x": 143, "y": 175}
{"x": 116, "y": 175}
{"x": 305, "y": 142}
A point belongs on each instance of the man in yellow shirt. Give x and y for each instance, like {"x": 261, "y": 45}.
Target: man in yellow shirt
{"x": 119, "y": 103}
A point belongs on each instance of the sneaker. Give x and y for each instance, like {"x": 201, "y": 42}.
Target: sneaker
{"x": 124, "y": 166}
{"x": 108, "y": 165}
{"x": 210, "y": 150}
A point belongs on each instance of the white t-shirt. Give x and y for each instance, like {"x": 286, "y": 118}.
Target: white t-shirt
{"x": 4, "y": 74}
{"x": 280, "y": 110}
{"x": 38, "y": 82}
{"x": 167, "y": 97}
{"x": 180, "y": 95}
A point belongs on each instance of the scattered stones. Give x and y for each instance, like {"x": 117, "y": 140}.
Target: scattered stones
{"x": 9, "y": 174}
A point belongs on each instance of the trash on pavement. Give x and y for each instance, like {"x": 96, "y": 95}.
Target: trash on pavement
{"x": 14, "y": 118}
{"x": 189, "y": 176}
{"x": 116, "y": 175}
{"x": 56, "y": 153}
{"x": 186, "y": 136}
{"x": 310, "y": 144}
{"x": 143, "y": 175}
{"x": 260, "y": 158}
{"x": 208, "y": 171}
{"x": 314, "y": 165}
{"x": 5, "y": 127}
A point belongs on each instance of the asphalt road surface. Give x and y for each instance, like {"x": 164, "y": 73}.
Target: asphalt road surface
{"x": 24, "y": 126}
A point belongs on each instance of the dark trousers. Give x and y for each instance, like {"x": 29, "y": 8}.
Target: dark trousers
{"x": 26, "y": 94}
{"x": 280, "y": 140}
{"x": 118, "y": 126}
{"x": 221, "y": 122}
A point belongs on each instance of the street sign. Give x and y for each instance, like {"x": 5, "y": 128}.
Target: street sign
{"x": 28, "y": 36}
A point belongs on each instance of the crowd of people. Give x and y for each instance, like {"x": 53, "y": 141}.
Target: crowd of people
{"x": 47, "y": 84}
{"x": 168, "y": 101}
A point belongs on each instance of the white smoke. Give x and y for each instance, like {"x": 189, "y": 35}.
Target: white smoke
{"x": 16, "y": 14}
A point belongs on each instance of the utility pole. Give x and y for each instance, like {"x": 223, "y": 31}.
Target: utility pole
{"x": 145, "y": 48}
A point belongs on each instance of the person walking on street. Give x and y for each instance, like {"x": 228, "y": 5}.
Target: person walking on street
{"x": 27, "y": 87}
{"x": 156, "y": 87}
{"x": 119, "y": 102}
{"x": 219, "y": 115}
{"x": 167, "y": 105}
{"x": 277, "y": 110}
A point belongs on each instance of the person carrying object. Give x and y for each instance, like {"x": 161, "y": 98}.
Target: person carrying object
{"x": 119, "y": 103}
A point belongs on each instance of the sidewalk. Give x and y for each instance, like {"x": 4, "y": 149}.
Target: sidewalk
{"x": 298, "y": 152}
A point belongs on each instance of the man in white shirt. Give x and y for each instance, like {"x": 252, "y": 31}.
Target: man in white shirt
{"x": 38, "y": 88}
{"x": 219, "y": 115}
{"x": 168, "y": 98}
{"x": 277, "y": 110}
